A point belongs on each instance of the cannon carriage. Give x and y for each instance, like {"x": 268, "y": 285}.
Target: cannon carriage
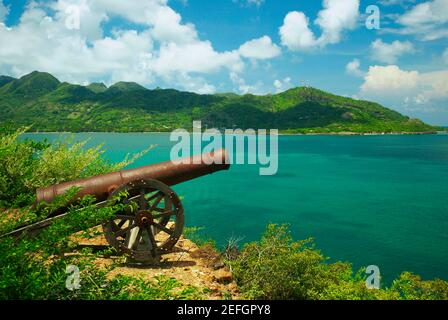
{"x": 152, "y": 219}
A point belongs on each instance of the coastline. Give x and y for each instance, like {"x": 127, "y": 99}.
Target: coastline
{"x": 342, "y": 134}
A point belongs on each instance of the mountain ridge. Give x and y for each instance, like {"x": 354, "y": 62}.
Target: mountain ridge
{"x": 41, "y": 100}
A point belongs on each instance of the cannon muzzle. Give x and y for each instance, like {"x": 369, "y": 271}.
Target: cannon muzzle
{"x": 169, "y": 173}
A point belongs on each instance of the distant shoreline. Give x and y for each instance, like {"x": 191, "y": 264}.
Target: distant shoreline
{"x": 342, "y": 134}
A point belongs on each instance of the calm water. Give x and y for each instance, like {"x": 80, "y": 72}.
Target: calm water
{"x": 379, "y": 200}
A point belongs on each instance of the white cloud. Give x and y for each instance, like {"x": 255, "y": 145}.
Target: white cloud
{"x": 435, "y": 84}
{"x": 262, "y": 48}
{"x": 295, "y": 33}
{"x": 43, "y": 43}
{"x": 165, "y": 49}
{"x": 137, "y": 11}
{"x": 198, "y": 56}
{"x": 243, "y": 87}
{"x": 168, "y": 27}
{"x": 389, "y": 53}
{"x": 353, "y": 68}
{"x": 89, "y": 15}
{"x": 86, "y": 55}
{"x": 407, "y": 91}
{"x": 435, "y": 11}
{"x": 427, "y": 20}
{"x": 335, "y": 17}
{"x": 282, "y": 84}
{"x": 388, "y": 79}
{"x": 194, "y": 84}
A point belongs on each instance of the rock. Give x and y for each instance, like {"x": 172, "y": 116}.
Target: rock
{"x": 232, "y": 287}
{"x": 209, "y": 278}
{"x": 223, "y": 276}
{"x": 218, "y": 263}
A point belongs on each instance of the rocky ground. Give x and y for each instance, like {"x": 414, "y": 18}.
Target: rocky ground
{"x": 189, "y": 264}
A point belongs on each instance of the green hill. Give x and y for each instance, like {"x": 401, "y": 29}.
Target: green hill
{"x": 126, "y": 87}
{"x": 5, "y": 80}
{"x": 33, "y": 85}
{"x": 49, "y": 105}
{"x": 97, "y": 87}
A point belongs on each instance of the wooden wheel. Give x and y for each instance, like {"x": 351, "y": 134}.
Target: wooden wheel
{"x": 150, "y": 223}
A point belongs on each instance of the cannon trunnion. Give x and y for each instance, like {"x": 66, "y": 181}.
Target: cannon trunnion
{"x": 152, "y": 219}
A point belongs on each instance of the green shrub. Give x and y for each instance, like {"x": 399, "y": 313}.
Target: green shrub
{"x": 411, "y": 287}
{"x": 27, "y": 165}
{"x": 277, "y": 267}
{"x": 17, "y": 161}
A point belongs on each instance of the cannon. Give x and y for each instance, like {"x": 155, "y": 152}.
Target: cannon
{"x": 152, "y": 219}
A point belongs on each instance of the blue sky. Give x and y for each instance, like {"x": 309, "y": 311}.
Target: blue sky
{"x": 242, "y": 46}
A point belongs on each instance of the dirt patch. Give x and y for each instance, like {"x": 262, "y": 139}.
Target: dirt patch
{"x": 199, "y": 267}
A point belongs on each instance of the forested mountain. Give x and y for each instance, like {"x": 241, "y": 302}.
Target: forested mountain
{"x": 41, "y": 100}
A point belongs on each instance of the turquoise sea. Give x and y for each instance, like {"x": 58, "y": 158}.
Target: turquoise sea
{"x": 371, "y": 200}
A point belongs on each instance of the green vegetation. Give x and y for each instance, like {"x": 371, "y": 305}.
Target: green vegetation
{"x": 25, "y": 166}
{"x": 35, "y": 267}
{"x": 276, "y": 267}
{"x": 40, "y": 100}
{"x": 97, "y": 87}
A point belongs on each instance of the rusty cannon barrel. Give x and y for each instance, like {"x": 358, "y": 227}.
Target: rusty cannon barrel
{"x": 169, "y": 173}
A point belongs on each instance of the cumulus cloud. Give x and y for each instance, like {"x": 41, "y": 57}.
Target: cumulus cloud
{"x": 392, "y": 81}
{"x": 410, "y": 92}
{"x": 435, "y": 84}
{"x": 353, "y": 68}
{"x": 295, "y": 32}
{"x": 167, "y": 26}
{"x": 41, "y": 42}
{"x": 335, "y": 17}
{"x": 193, "y": 84}
{"x": 388, "y": 80}
{"x": 243, "y": 87}
{"x": 389, "y": 52}
{"x": 281, "y": 85}
{"x": 164, "y": 48}
{"x": 427, "y": 20}
{"x": 198, "y": 56}
{"x": 261, "y": 48}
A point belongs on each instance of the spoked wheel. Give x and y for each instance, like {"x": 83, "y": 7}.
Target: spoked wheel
{"x": 150, "y": 223}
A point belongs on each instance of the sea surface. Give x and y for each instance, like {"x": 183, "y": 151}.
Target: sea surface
{"x": 370, "y": 200}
